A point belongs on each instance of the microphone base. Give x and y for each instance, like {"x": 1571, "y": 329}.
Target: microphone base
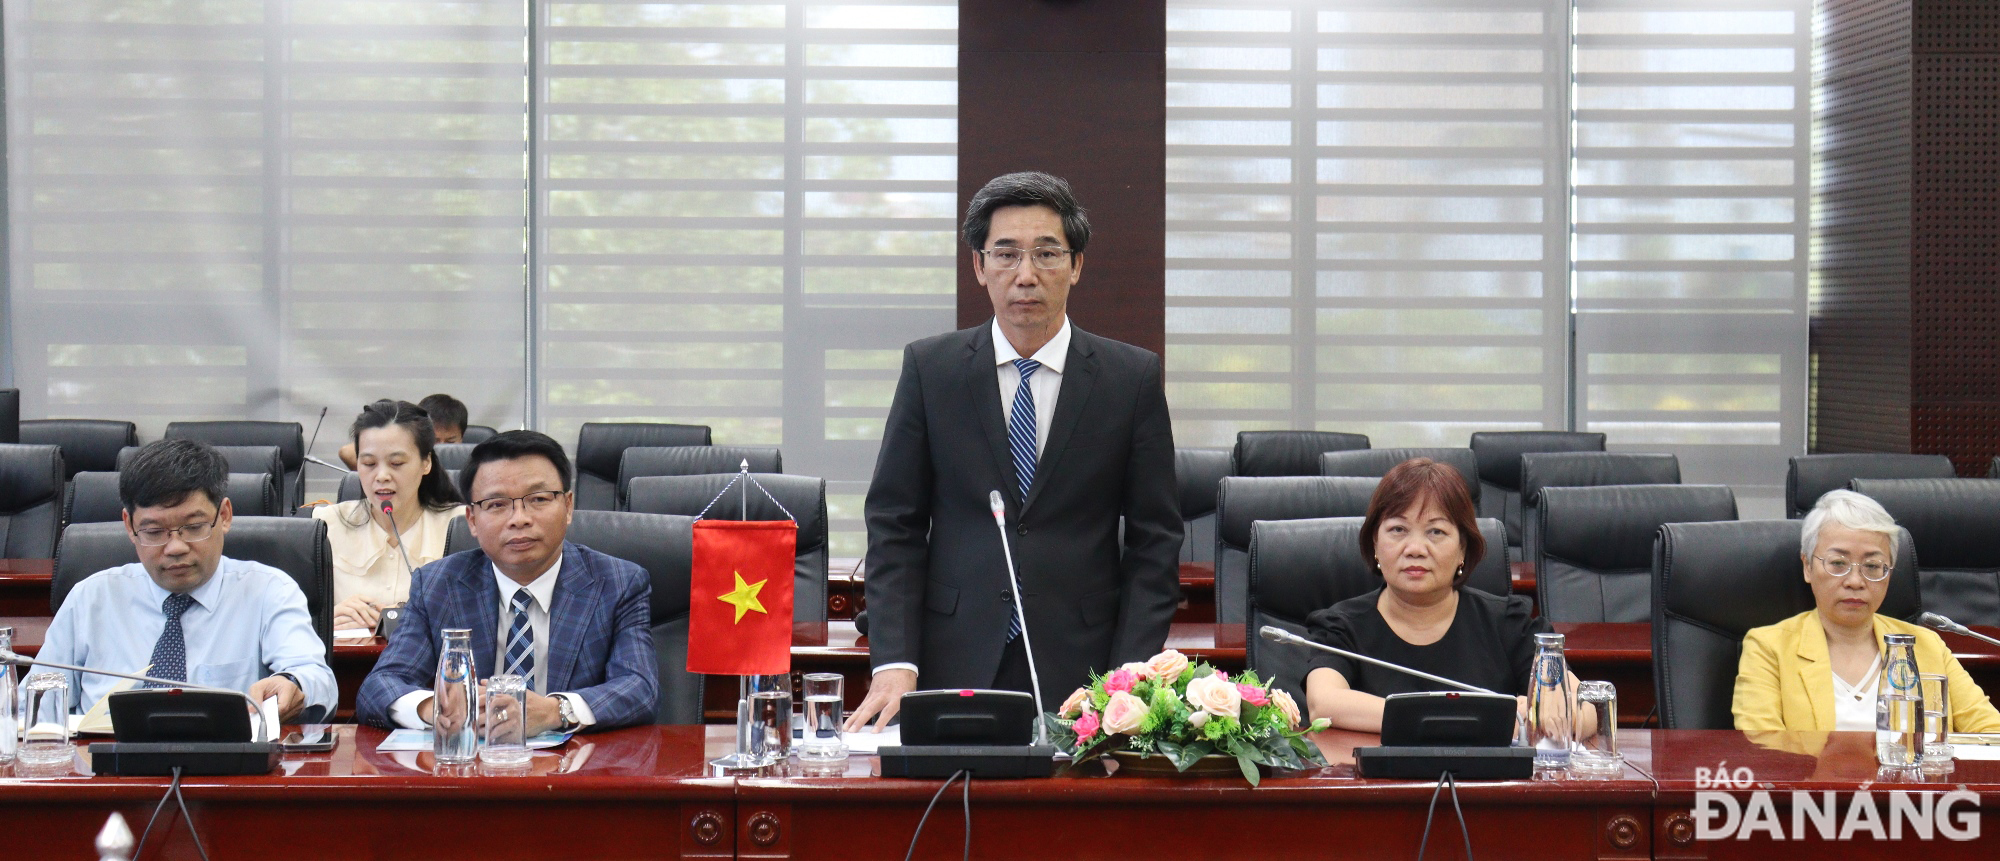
{"x": 1464, "y": 763}
{"x": 158, "y": 759}
{"x": 982, "y": 760}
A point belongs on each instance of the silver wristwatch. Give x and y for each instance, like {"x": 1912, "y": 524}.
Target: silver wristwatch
{"x": 568, "y": 714}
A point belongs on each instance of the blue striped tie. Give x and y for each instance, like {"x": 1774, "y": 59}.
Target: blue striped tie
{"x": 1021, "y": 441}
{"x": 521, "y": 639}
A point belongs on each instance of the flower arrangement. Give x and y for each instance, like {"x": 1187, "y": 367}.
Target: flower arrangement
{"x": 1183, "y": 710}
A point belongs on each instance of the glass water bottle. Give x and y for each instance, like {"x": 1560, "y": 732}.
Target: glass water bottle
{"x": 1897, "y": 703}
{"x": 454, "y": 718}
{"x": 10, "y": 705}
{"x": 1550, "y": 723}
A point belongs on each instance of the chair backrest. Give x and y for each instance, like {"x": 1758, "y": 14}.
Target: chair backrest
{"x": 294, "y": 545}
{"x": 1955, "y": 524}
{"x": 88, "y": 445}
{"x": 1243, "y": 500}
{"x": 663, "y": 544}
{"x": 1288, "y": 452}
{"x": 31, "y": 498}
{"x": 1812, "y": 475}
{"x": 640, "y": 461}
{"x": 1712, "y": 583}
{"x": 1376, "y": 462}
{"x": 10, "y": 416}
{"x": 93, "y": 497}
{"x": 247, "y": 459}
{"x": 1541, "y": 470}
{"x": 1298, "y": 567}
{"x": 289, "y": 437}
{"x": 476, "y": 434}
{"x": 453, "y": 455}
{"x": 350, "y": 485}
{"x": 1196, "y": 473}
{"x": 1596, "y": 543}
{"x": 601, "y": 445}
{"x": 803, "y": 496}
{"x": 1499, "y": 455}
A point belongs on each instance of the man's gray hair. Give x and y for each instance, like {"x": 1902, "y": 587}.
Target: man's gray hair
{"x": 1849, "y": 509}
{"x": 1027, "y": 188}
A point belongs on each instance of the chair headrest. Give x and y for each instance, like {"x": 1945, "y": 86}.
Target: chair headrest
{"x": 599, "y": 445}
{"x": 453, "y": 455}
{"x": 1499, "y": 452}
{"x": 695, "y": 460}
{"x": 1954, "y": 521}
{"x": 88, "y": 445}
{"x": 476, "y": 434}
{"x": 1738, "y": 575}
{"x": 663, "y": 544}
{"x": 289, "y": 437}
{"x": 804, "y": 496}
{"x": 1298, "y": 567}
{"x": 241, "y": 458}
{"x": 1612, "y": 528}
{"x": 1812, "y": 475}
{"x": 30, "y": 475}
{"x": 1594, "y": 469}
{"x": 1243, "y": 500}
{"x": 1196, "y": 471}
{"x": 285, "y": 543}
{"x": 1289, "y": 452}
{"x": 1378, "y": 461}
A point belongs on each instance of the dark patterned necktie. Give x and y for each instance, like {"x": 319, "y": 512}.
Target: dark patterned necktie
{"x": 520, "y": 656}
{"x": 1021, "y": 440}
{"x": 170, "y": 651}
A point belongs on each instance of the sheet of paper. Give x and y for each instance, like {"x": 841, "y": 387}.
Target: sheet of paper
{"x": 354, "y": 634}
{"x": 420, "y": 740}
{"x": 870, "y": 742}
{"x": 1971, "y": 752}
{"x": 266, "y": 728}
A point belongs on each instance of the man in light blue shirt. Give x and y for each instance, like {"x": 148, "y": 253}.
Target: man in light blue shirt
{"x": 184, "y": 611}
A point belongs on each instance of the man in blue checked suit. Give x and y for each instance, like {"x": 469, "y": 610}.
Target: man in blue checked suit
{"x": 572, "y": 620}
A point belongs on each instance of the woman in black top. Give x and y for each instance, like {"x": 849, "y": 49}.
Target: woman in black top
{"x": 1421, "y": 536}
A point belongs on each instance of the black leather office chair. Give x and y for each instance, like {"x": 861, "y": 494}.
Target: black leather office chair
{"x": 31, "y": 495}
{"x": 1376, "y": 462}
{"x": 1812, "y": 475}
{"x": 10, "y": 416}
{"x": 601, "y": 445}
{"x": 640, "y": 461}
{"x": 294, "y": 545}
{"x": 289, "y": 437}
{"x": 1299, "y": 567}
{"x": 453, "y": 455}
{"x": 1197, "y": 471}
{"x": 1596, "y": 561}
{"x": 663, "y": 544}
{"x": 804, "y": 496}
{"x": 93, "y": 497}
{"x": 1243, "y": 500}
{"x": 1499, "y": 454}
{"x": 1712, "y": 583}
{"x": 476, "y": 434}
{"x": 1955, "y": 523}
{"x": 1540, "y": 470}
{"x": 88, "y": 445}
{"x": 350, "y": 485}
{"x": 1288, "y": 452}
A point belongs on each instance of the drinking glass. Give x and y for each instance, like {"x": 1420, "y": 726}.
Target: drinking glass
{"x": 505, "y": 724}
{"x": 771, "y": 716}
{"x": 1595, "y": 753}
{"x": 1934, "y": 691}
{"x": 824, "y": 705}
{"x": 47, "y": 717}
{"x": 10, "y": 727}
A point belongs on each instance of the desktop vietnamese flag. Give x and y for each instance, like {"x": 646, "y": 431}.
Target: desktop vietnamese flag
{"x": 740, "y": 613}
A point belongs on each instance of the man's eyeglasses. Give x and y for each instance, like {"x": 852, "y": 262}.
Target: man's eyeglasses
{"x": 1045, "y": 257}
{"x": 536, "y": 503}
{"x": 190, "y": 533}
{"x": 1873, "y": 572}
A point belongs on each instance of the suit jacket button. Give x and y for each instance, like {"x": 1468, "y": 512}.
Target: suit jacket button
{"x": 1006, "y": 595}
{"x": 1020, "y": 530}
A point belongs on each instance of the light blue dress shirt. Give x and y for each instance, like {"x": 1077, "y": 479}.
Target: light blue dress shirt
{"x": 248, "y": 622}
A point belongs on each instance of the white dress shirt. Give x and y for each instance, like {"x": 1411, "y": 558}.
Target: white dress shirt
{"x": 542, "y": 590}
{"x": 1045, "y": 385}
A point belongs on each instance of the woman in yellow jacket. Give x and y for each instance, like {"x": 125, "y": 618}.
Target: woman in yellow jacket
{"x": 1819, "y": 670}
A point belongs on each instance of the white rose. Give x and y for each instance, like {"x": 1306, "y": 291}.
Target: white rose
{"x": 1212, "y": 694}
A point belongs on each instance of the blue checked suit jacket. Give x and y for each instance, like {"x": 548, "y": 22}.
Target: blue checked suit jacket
{"x": 600, "y": 637}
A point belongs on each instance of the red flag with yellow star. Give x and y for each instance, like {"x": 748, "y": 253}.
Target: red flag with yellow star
{"x": 740, "y": 612}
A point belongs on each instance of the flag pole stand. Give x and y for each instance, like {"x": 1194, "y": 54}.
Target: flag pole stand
{"x": 748, "y": 756}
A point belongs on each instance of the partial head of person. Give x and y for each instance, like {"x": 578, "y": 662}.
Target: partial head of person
{"x": 448, "y": 416}
{"x": 394, "y": 447}
{"x": 176, "y": 498}
{"x": 518, "y": 487}
{"x": 1027, "y": 232}
{"x": 1847, "y": 546}
{"x": 1421, "y": 533}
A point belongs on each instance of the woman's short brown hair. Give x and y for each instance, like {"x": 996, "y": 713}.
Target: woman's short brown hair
{"x": 1417, "y": 480}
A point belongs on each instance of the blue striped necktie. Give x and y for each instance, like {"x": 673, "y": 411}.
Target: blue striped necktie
{"x": 1021, "y": 441}
{"x": 521, "y": 639}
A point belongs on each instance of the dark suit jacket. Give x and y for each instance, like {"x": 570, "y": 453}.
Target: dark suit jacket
{"x": 937, "y": 584}
{"x": 600, "y": 644}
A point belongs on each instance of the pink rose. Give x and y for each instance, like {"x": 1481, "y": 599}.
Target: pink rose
{"x": 1120, "y": 680}
{"x": 1075, "y": 704}
{"x": 1222, "y": 675}
{"x": 1123, "y": 714}
{"x": 1085, "y": 726}
{"x": 1138, "y": 669}
{"x": 1216, "y": 696}
{"x": 1286, "y": 705}
{"x": 1168, "y": 665}
{"x": 1253, "y": 695}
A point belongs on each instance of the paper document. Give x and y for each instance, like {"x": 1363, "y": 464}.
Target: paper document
{"x": 354, "y": 634}
{"x": 870, "y": 742}
{"x": 420, "y": 740}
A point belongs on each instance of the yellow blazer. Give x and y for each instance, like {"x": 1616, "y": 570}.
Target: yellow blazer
{"x": 1784, "y": 680}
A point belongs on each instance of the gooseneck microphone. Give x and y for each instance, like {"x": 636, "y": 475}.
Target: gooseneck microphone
{"x": 1279, "y": 635}
{"x": 999, "y": 507}
{"x": 389, "y": 511}
{"x": 1943, "y": 623}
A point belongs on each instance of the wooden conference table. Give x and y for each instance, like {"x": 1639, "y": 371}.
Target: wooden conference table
{"x": 646, "y": 793}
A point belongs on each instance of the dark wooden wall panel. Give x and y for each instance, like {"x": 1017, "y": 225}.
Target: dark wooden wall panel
{"x": 1076, "y": 88}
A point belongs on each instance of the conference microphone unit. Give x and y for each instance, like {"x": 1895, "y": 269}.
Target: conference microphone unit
{"x": 153, "y": 758}
{"x": 1942, "y": 623}
{"x": 978, "y": 732}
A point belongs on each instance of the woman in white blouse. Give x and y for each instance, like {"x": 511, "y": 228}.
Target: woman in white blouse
{"x": 400, "y": 522}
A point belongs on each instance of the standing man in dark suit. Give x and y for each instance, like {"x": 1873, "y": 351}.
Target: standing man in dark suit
{"x": 1071, "y": 428}
{"x": 572, "y": 620}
